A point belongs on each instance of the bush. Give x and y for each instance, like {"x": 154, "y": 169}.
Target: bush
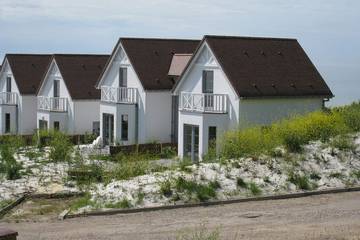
{"x": 351, "y": 115}
{"x": 202, "y": 192}
{"x": 301, "y": 182}
{"x": 8, "y": 164}
{"x": 165, "y": 188}
{"x": 254, "y": 189}
{"x": 61, "y": 147}
{"x": 241, "y": 183}
{"x": 343, "y": 142}
{"x": 168, "y": 152}
{"x": 124, "y": 203}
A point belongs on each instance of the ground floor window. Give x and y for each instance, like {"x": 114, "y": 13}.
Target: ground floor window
{"x": 57, "y": 125}
{"x": 7, "y": 123}
{"x": 124, "y": 127}
{"x": 212, "y": 137}
{"x": 96, "y": 128}
{"x": 43, "y": 125}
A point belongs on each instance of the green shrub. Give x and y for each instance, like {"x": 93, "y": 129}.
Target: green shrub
{"x": 184, "y": 164}
{"x": 61, "y": 147}
{"x": 356, "y": 174}
{"x": 241, "y": 183}
{"x": 343, "y": 142}
{"x": 202, "y": 192}
{"x": 89, "y": 138}
{"x": 124, "y": 203}
{"x": 351, "y": 115}
{"x": 301, "y": 182}
{"x": 168, "y": 152}
{"x": 82, "y": 202}
{"x": 165, "y": 188}
{"x": 254, "y": 189}
{"x": 8, "y": 164}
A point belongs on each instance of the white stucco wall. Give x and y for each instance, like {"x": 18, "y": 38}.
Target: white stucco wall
{"x": 23, "y": 116}
{"x": 264, "y": 111}
{"x": 85, "y": 113}
{"x": 67, "y": 120}
{"x": 158, "y": 116}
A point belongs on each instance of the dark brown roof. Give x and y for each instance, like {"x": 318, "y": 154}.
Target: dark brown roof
{"x": 151, "y": 58}
{"x": 265, "y": 67}
{"x": 28, "y": 70}
{"x": 80, "y": 73}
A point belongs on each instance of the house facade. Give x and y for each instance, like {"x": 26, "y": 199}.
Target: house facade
{"x": 67, "y": 99}
{"x": 20, "y": 77}
{"x": 136, "y": 100}
{"x": 233, "y": 82}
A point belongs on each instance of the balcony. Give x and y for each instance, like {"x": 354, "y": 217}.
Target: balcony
{"x": 203, "y": 102}
{"x": 8, "y": 98}
{"x": 53, "y": 104}
{"x": 118, "y": 95}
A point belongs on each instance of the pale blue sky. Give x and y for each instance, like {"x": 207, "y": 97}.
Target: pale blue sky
{"x": 328, "y": 30}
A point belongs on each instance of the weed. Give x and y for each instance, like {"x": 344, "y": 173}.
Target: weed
{"x": 254, "y": 189}
{"x": 124, "y": 203}
{"x": 343, "y": 142}
{"x": 165, "y": 188}
{"x": 302, "y": 182}
{"x": 82, "y": 202}
{"x": 241, "y": 183}
{"x": 336, "y": 175}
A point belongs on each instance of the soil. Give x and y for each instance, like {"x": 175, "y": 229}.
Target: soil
{"x": 332, "y": 216}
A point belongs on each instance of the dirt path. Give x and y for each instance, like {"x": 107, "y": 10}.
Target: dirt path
{"x": 335, "y": 216}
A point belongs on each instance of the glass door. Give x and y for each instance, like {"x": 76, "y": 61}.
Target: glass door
{"x": 108, "y": 128}
{"x": 191, "y": 142}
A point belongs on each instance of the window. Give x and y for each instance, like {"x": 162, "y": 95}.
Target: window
{"x": 212, "y": 137}
{"x": 7, "y": 122}
{"x": 8, "y": 84}
{"x": 57, "y": 125}
{"x": 42, "y": 125}
{"x": 124, "y": 127}
{"x": 96, "y": 128}
{"x": 208, "y": 81}
{"x": 56, "y": 88}
{"x": 123, "y": 77}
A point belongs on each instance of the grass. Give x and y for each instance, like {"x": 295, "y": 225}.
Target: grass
{"x": 165, "y": 188}
{"x": 82, "y": 202}
{"x": 343, "y": 142}
{"x": 301, "y": 181}
{"x": 5, "y": 203}
{"x": 201, "y": 233}
{"x": 336, "y": 175}
{"x": 254, "y": 189}
{"x": 124, "y": 203}
{"x": 9, "y": 146}
{"x": 241, "y": 183}
{"x": 201, "y": 192}
{"x": 292, "y": 133}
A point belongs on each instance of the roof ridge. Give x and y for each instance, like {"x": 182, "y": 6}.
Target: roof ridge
{"x": 28, "y": 54}
{"x": 80, "y": 55}
{"x": 249, "y": 37}
{"x": 160, "y": 39}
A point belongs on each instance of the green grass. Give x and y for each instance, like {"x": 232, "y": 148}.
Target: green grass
{"x": 254, "y": 189}
{"x": 202, "y": 192}
{"x": 356, "y": 174}
{"x": 301, "y": 181}
{"x": 292, "y": 133}
{"x": 343, "y": 142}
{"x": 165, "y": 188}
{"x": 124, "y": 203}
{"x": 241, "y": 183}
{"x": 82, "y": 202}
{"x": 5, "y": 203}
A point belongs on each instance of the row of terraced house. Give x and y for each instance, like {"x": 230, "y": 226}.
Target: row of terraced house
{"x": 168, "y": 90}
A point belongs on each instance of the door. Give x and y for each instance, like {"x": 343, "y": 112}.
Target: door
{"x": 191, "y": 142}
{"x": 108, "y": 128}
{"x": 43, "y": 125}
{"x": 57, "y": 125}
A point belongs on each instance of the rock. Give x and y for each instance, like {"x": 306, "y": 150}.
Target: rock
{"x": 63, "y": 214}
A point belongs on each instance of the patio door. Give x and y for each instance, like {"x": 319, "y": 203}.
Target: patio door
{"x": 191, "y": 142}
{"x": 208, "y": 89}
{"x": 56, "y": 94}
{"x": 8, "y": 90}
{"x": 108, "y": 128}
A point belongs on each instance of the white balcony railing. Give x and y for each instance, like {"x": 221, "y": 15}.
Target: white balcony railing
{"x": 118, "y": 95}
{"x": 203, "y": 102}
{"x": 55, "y": 104}
{"x": 8, "y": 98}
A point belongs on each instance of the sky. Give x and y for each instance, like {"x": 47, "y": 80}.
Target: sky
{"x": 328, "y": 30}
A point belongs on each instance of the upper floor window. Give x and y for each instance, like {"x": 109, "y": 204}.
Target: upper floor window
{"x": 123, "y": 77}
{"x": 56, "y": 88}
{"x": 208, "y": 81}
{"x": 8, "y": 84}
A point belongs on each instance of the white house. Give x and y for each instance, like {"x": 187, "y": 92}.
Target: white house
{"x": 235, "y": 82}
{"x": 20, "y": 77}
{"x": 136, "y": 100}
{"x": 67, "y": 99}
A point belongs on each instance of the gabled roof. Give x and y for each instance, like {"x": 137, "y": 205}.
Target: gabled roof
{"x": 80, "y": 73}
{"x": 151, "y": 58}
{"x": 265, "y": 67}
{"x": 28, "y": 70}
{"x": 178, "y": 64}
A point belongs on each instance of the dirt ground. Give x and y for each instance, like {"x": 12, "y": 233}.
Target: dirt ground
{"x": 335, "y": 216}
